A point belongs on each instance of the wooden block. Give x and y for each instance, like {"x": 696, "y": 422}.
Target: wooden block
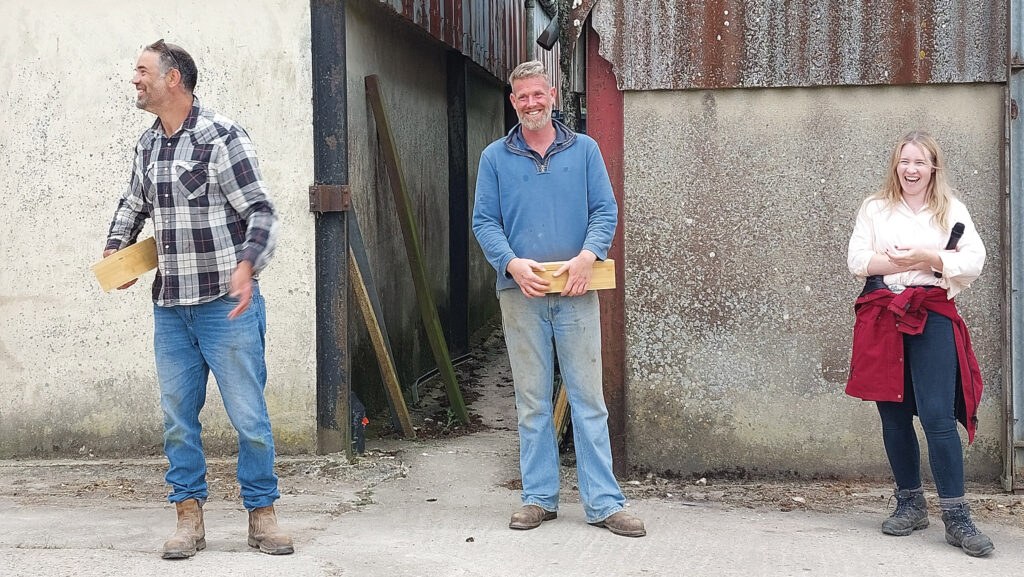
{"x": 561, "y": 412}
{"x": 604, "y": 275}
{"x": 126, "y": 265}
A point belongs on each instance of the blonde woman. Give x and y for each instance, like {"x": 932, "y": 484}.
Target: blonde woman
{"x": 916, "y": 247}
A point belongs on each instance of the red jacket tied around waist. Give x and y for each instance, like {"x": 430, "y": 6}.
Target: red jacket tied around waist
{"x": 877, "y": 367}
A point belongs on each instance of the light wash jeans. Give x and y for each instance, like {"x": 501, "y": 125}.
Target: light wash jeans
{"x": 191, "y": 341}
{"x": 534, "y": 330}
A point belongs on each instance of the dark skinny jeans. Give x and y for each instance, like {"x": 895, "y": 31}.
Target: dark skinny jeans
{"x": 930, "y": 369}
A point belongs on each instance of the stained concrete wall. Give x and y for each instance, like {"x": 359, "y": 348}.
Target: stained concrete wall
{"x": 485, "y": 124}
{"x": 76, "y": 365}
{"x": 411, "y": 68}
{"x": 739, "y": 206}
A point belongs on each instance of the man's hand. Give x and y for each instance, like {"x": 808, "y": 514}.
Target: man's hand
{"x": 581, "y": 269}
{"x": 522, "y": 271}
{"x": 111, "y": 251}
{"x": 241, "y": 288}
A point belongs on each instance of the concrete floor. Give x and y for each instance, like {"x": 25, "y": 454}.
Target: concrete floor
{"x": 447, "y": 516}
{"x": 440, "y": 507}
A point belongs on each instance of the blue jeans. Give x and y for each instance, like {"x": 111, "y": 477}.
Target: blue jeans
{"x": 930, "y": 370}
{"x": 534, "y": 330}
{"x": 191, "y": 341}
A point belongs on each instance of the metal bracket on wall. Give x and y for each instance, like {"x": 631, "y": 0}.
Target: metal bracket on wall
{"x": 329, "y": 197}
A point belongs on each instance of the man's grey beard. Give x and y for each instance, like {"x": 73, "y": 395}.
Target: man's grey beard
{"x": 542, "y": 120}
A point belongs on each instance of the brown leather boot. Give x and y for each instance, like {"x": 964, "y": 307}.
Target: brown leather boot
{"x": 190, "y": 535}
{"x": 530, "y": 517}
{"x": 265, "y": 534}
{"x": 622, "y": 523}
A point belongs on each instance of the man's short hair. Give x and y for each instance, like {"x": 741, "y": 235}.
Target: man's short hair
{"x": 174, "y": 56}
{"x": 529, "y": 69}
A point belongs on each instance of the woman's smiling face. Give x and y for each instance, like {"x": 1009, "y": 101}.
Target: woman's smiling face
{"x": 914, "y": 170}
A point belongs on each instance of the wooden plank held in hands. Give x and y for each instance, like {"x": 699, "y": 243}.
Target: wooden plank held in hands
{"x": 126, "y": 265}
{"x": 604, "y": 275}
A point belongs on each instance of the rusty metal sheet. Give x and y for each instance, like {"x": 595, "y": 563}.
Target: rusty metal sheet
{"x": 694, "y": 44}
{"x": 489, "y": 32}
{"x": 578, "y": 12}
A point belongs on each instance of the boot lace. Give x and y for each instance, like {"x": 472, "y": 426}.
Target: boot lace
{"x": 963, "y": 524}
{"x": 904, "y": 506}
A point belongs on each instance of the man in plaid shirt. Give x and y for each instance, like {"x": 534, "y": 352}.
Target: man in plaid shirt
{"x": 196, "y": 176}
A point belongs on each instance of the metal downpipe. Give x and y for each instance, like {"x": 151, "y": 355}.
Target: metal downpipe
{"x": 330, "y": 166}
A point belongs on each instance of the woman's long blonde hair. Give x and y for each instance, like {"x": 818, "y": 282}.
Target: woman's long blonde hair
{"x": 939, "y": 196}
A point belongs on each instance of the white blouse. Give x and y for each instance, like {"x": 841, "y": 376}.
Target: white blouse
{"x": 880, "y": 228}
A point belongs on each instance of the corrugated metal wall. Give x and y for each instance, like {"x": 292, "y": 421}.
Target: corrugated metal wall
{"x": 682, "y": 44}
{"x": 489, "y": 32}
{"x": 708, "y": 387}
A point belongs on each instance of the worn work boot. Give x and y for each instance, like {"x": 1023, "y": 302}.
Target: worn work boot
{"x": 530, "y": 517}
{"x": 190, "y": 536}
{"x": 266, "y": 535}
{"x": 961, "y": 532}
{"x": 911, "y": 513}
{"x": 622, "y": 523}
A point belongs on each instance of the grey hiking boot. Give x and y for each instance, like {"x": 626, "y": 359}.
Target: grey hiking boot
{"x": 911, "y": 513}
{"x": 961, "y": 532}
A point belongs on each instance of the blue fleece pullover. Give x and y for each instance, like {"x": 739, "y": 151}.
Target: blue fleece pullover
{"x": 542, "y": 208}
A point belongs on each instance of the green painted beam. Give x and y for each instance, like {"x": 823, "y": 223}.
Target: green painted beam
{"x": 407, "y": 218}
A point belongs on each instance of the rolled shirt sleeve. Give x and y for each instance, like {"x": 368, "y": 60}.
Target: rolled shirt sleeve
{"x": 131, "y": 212}
{"x": 239, "y": 177}
{"x": 961, "y": 267}
{"x": 861, "y": 246}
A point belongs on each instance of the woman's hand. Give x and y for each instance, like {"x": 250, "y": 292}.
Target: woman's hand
{"x": 914, "y": 259}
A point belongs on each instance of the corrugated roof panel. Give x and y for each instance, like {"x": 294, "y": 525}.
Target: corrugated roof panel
{"x": 682, "y": 44}
{"x": 490, "y": 32}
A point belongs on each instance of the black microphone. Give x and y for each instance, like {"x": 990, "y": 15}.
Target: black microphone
{"x": 954, "y": 238}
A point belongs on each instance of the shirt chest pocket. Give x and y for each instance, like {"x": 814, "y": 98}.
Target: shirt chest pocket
{"x": 191, "y": 178}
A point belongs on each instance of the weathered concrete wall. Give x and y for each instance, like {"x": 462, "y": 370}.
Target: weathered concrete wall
{"x": 411, "y": 71}
{"x": 411, "y": 68}
{"x": 739, "y": 207}
{"x": 486, "y": 123}
{"x": 76, "y": 365}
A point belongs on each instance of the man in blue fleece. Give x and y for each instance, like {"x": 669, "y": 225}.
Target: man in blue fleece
{"x": 543, "y": 194}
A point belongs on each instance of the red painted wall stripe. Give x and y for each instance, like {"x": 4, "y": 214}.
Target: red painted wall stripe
{"x": 605, "y": 125}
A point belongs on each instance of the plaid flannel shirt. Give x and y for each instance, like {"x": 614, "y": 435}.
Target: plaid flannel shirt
{"x": 202, "y": 188}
